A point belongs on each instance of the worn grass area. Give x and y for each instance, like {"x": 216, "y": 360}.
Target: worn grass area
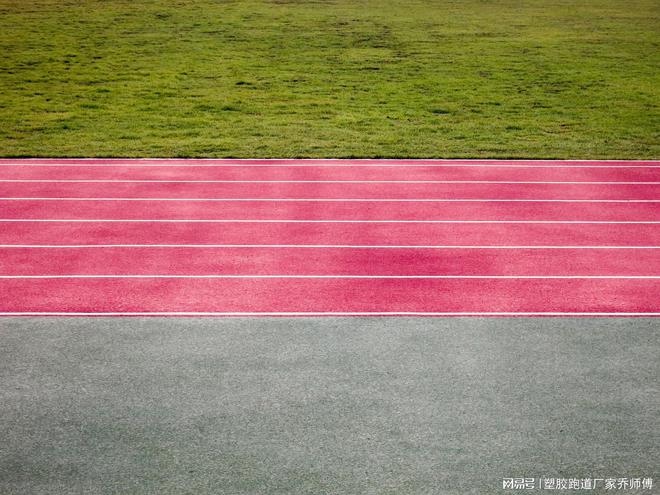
{"x": 343, "y": 78}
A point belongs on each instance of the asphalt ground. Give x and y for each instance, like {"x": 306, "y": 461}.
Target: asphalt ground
{"x": 324, "y": 405}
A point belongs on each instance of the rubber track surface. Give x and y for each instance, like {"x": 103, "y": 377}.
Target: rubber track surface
{"x": 329, "y": 237}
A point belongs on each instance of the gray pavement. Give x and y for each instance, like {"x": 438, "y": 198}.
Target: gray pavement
{"x": 324, "y": 405}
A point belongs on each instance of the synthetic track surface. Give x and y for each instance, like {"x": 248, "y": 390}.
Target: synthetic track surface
{"x": 327, "y": 237}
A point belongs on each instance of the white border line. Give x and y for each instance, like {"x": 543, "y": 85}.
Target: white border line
{"x": 126, "y": 181}
{"x": 272, "y": 313}
{"x": 325, "y": 162}
{"x": 368, "y": 277}
{"x": 350, "y": 200}
{"x": 128, "y": 220}
{"x": 308, "y": 246}
{"x": 331, "y": 159}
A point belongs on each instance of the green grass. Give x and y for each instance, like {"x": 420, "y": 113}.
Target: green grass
{"x": 344, "y": 78}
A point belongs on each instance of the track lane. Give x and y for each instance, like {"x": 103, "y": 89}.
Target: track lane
{"x": 327, "y": 210}
{"x": 288, "y": 172}
{"x": 330, "y": 190}
{"x": 325, "y": 261}
{"x": 330, "y": 295}
{"x": 333, "y": 233}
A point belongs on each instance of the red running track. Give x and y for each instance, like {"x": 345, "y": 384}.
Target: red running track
{"x": 315, "y": 234}
{"x": 328, "y": 210}
{"x": 327, "y": 237}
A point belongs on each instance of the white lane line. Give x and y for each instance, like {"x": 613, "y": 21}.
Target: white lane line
{"x": 397, "y": 277}
{"x": 331, "y": 159}
{"x": 349, "y": 200}
{"x": 118, "y": 181}
{"x": 351, "y": 163}
{"x": 128, "y": 220}
{"x": 324, "y": 313}
{"x": 307, "y": 246}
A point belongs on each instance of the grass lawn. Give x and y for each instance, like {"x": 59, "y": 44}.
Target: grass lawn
{"x": 343, "y": 78}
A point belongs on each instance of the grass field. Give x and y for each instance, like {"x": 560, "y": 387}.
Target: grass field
{"x": 344, "y": 78}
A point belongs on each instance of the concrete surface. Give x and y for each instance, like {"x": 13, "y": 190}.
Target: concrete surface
{"x": 313, "y": 406}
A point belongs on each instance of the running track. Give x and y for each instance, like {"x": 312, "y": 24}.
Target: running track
{"x": 326, "y": 237}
